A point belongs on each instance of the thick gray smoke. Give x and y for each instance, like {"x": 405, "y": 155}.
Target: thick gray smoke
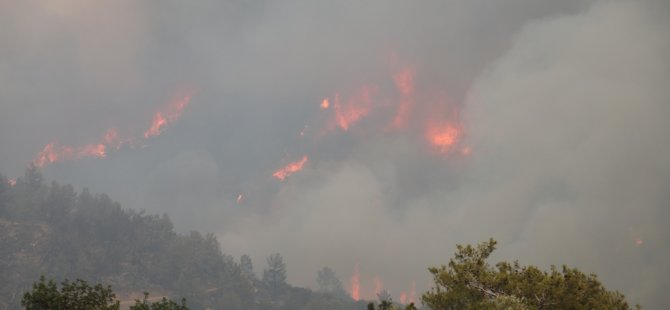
{"x": 563, "y": 104}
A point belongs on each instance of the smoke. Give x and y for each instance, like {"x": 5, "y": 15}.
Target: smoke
{"x": 425, "y": 124}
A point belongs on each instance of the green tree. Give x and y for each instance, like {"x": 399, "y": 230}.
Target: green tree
{"x": 388, "y": 305}
{"x": 247, "y": 267}
{"x": 274, "y": 276}
{"x": 328, "y": 282}
{"x": 77, "y": 295}
{"x": 163, "y": 304}
{"x": 469, "y": 282}
{"x": 384, "y": 295}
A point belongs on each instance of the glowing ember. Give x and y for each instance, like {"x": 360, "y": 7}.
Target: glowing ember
{"x": 325, "y": 103}
{"x": 466, "y": 151}
{"x": 290, "y": 169}
{"x": 356, "y": 284}
{"x": 239, "y": 198}
{"x": 639, "y": 242}
{"x": 442, "y": 136}
{"x": 11, "y": 182}
{"x": 169, "y": 115}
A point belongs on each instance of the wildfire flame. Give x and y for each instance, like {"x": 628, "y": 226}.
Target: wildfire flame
{"x": 356, "y": 284}
{"x": 168, "y": 115}
{"x": 51, "y": 153}
{"x": 403, "y": 108}
{"x": 290, "y": 169}
{"x": 112, "y": 140}
{"x": 403, "y": 298}
{"x": 378, "y": 285}
{"x": 443, "y": 136}
{"x": 354, "y": 109}
{"x": 404, "y": 81}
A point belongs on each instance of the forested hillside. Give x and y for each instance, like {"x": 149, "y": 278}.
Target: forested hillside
{"x": 55, "y": 231}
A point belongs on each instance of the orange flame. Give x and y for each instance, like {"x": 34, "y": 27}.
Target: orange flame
{"x": 403, "y": 298}
{"x": 378, "y": 285}
{"x": 325, "y": 103}
{"x": 50, "y": 153}
{"x": 95, "y": 150}
{"x": 111, "y": 140}
{"x": 169, "y": 115}
{"x": 404, "y": 82}
{"x": 46, "y": 156}
{"x": 443, "y": 136}
{"x": 355, "y": 109}
{"x": 356, "y": 284}
{"x": 290, "y": 169}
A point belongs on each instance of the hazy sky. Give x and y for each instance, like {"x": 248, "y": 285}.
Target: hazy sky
{"x": 553, "y": 115}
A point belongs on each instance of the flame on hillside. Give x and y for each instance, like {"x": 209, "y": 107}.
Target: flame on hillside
{"x": 53, "y": 152}
{"x": 290, "y": 169}
{"x": 379, "y": 286}
{"x": 443, "y": 136}
{"x": 353, "y": 109}
{"x": 356, "y": 284}
{"x": 169, "y": 114}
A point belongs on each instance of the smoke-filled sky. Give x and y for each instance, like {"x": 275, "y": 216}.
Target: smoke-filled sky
{"x": 543, "y": 124}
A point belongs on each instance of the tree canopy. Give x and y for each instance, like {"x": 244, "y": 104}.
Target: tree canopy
{"x": 469, "y": 282}
{"x": 50, "y": 229}
{"x": 77, "y": 295}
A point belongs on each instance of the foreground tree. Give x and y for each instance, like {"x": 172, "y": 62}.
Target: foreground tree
{"x": 77, "y": 295}
{"x": 388, "y": 305}
{"x": 274, "y": 276}
{"x": 469, "y": 282}
{"x": 329, "y": 283}
{"x": 247, "y": 267}
{"x": 163, "y": 304}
